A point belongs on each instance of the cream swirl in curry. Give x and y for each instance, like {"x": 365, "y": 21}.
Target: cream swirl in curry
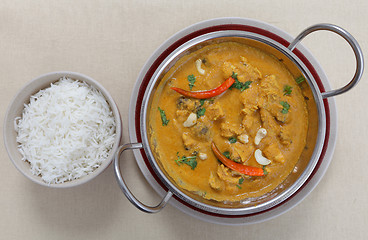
{"x": 260, "y": 121}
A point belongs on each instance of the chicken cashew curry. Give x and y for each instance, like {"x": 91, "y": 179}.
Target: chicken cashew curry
{"x": 230, "y": 122}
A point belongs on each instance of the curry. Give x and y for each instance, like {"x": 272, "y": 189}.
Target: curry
{"x": 230, "y": 122}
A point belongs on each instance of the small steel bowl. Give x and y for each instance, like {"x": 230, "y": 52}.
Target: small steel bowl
{"x": 253, "y": 33}
{"x": 15, "y": 110}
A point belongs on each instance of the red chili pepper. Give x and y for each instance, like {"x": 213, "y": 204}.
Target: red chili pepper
{"x": 208, "y": 93}
{"x": 247, "y": 170}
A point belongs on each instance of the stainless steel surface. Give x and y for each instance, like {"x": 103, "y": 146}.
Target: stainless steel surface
{"x": 141, "y": 206}
{"x": 192, "y": 45}
{"x": 352, "y": 42}
{"x": 209, "y": 206}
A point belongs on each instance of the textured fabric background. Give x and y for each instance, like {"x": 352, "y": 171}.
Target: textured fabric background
{"x": 110, "y": 41}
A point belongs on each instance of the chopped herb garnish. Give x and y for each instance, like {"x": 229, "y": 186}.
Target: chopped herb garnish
{"x": 287, "y": 90}
{"x": 239, "y": 85}
{"x": 238, "y": 186}
{"x": 237, "y": 160}
{"x": 190, "y": 161}
{"x": 300, "y": 79}
{"x": 264, "y": 170}
{"x": 191, "y": 80}
{"x": 164, "y": 120}
{"x": 226, "y": 154}
{"x": 201, "y": 112}
{"x": 241, "y": 180}
{"x": 245, "y": 85}
{"x": 232, "y": 140}
{"x": 202, "y": 102}
{"x": 285, "y": 106}
{"x": 234, "y": 75}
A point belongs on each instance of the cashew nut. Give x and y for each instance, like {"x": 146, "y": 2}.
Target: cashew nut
{"x": 260, "y": 159}
{"x": 243, "y": 138}
{"x": 191, "y": 120}
{"x": 260, "y": 135}
{"x": 202, "y": 156}
{"x": 198, "y": 64}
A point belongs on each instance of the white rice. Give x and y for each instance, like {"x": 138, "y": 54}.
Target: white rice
{"x": 66, "y": 131}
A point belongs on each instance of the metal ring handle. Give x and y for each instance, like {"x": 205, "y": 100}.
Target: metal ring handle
{"x": 124, "y": 187}
{"x": 352, "y": 42}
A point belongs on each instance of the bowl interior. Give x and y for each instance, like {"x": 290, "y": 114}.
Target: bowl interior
{"x": 304, "y": 165}
{"x": 15, "y": 110}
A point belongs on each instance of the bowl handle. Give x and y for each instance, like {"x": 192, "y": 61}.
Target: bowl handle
{"x": 125, "y": 188}
{"x": 352, "y": 42}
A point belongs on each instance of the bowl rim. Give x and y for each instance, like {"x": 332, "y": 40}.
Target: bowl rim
{"x": 43, "y": 81}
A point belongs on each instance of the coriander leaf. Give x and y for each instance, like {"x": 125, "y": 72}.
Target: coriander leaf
{"x": 164, "y": 120}
{"x": 241, "y": 180}
{"x": 226, "y": 154}
{"x": 264, "y": 170}
{"x": 300, "y": 79}
{"x": 191, "y": 79}
{"x": 239, "y": 85}
{"x": 202, "y": 102}
{"x": 245, "y": 85}
{"x": 201, "y": 112}
{"x": 237, "y": 160}
{"x": 232, "y": 140}
{"x": 238, "y": 186}
{"x": 234, "y": 75}
{"x": 287, "y": 90}
{"x": 209, "y": 100}
{"x": 190, "y": 161}
{"x": 285, "y": 106}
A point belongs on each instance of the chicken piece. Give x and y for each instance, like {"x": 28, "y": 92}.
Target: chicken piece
{"x": 224, "y": 174}
{"x": 244, "y": 152}
{"x": 285, "y": 136}
{"x": 202, "y": 129}
{"x": 229, "y": 130}
{"x": 271, "y": 87}
{"x": 245, "y": 71}
{"x": 184, "y": 103}
{"x": 215, "y": 182}
{"x": 228, "y": 69}
{"x": 182, "y": 114}
{"x": 276, "y": 110}
{"x": 250, "y": 99}
{"x": 269, "y": 123}
{"x": 188, "y": 141}
{"x": 232, "y": 188}
{"x": 252, "y": 73}
{"x": 214, "y": 112}
{"x": 272, "y": 91}
{"x": 251, "y": 123}
{"x": 273, "y": 152}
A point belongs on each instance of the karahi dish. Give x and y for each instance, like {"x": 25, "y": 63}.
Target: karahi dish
{"x": 230, "y": 122}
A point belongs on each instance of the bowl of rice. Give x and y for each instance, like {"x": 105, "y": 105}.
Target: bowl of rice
{"x": 62, "y": 129}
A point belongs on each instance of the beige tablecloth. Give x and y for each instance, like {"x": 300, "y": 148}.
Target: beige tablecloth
{"x": 110, "y": 41}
